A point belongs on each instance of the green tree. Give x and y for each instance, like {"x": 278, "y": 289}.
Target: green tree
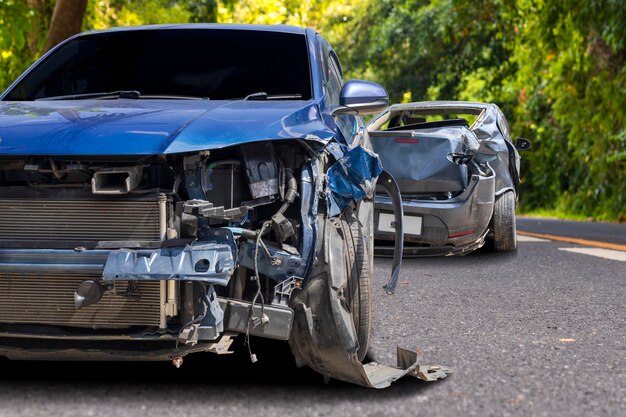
{"x": 572, "y": 92}
{"x": 104, "y": 14}
{"x": 555, "y": 67}
{"x": 431, "y": 50}
{"x": 23, "y": 25}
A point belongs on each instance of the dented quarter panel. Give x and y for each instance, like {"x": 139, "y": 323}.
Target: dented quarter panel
{"x": 496, "y": 149}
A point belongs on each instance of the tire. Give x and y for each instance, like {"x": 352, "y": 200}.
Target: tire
{"x": 358, "y": 265}
{"x": 333, "y": 312}
{"x": 504, "y": 227}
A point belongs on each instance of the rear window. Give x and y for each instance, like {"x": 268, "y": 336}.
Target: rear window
{"x": 428, "y": 118}
{"x": 218, "y": 64}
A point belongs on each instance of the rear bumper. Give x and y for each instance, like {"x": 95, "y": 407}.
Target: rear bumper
{"x": 385, "y": 250}
{"x": 454, "y": 226}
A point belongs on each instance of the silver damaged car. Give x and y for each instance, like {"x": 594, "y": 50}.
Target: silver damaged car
{"x": 458, "y": 173}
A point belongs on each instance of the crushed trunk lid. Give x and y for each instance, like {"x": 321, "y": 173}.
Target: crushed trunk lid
{"x": 429, "y": 160}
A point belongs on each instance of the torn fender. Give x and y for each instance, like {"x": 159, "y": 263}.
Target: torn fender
{"x": 334, "y": 362}
{"x": 324, "y": 336}
{"x": 352, "y": 177}
{"x": 389, "y": 184}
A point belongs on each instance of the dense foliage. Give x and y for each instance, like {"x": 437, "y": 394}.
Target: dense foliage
{"x": 571, "y": 78}
{"x": 556, "y": 68}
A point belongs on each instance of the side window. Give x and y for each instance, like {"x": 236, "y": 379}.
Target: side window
{"x": 347, "y": 123}
{"x": 334, "y": 83}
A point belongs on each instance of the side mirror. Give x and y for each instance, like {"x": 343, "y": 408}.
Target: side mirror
{"x": 522, "y": 144}
{"x": 361, "y": 97}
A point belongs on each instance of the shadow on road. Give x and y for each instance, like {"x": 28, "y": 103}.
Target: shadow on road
{"x": 274, "y": 374}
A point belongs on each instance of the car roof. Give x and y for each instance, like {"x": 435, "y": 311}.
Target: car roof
{"x": 207, "y": 26}
{"x": 438, "y": 105}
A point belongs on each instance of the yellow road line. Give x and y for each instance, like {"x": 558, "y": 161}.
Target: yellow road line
{"x": 584, "y": 242}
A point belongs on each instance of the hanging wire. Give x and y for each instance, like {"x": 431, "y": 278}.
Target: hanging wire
{"x": 259, "y": 293}
{"x": 196, "y": 320}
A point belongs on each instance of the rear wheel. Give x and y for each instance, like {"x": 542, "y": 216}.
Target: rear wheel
{"x": 504, "y": 227}
{"x": 358, "y": 265}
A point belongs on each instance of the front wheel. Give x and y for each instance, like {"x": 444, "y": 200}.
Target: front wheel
{"x": 357, "y": 257}
{"x": 504, "y": 227}
{"x": 333, "y": 312}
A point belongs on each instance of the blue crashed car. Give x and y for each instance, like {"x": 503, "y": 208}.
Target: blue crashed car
{"x": 164, "y": 189}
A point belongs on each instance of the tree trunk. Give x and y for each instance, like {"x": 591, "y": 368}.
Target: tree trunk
{"x": 39, "y": 24}
{"x": 67, "y": 20}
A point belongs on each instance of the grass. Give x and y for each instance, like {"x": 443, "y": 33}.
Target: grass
{"x": 562, "y": 215}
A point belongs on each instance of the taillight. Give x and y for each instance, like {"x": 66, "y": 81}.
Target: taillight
{"x": 406, "y": 140}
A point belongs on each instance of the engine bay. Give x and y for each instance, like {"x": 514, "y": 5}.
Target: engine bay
{"x": 226, "y": 231}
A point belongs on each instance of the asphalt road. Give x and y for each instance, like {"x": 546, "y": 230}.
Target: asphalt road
{"x": 540, "y": 333}
{"x": 604, "y": 232}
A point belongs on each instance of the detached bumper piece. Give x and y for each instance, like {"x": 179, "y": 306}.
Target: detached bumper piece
{"x": 381, "y": 376}
{"x": 407, "y": 360}
{"x": 208, "y": 262}
{"x": 312, "y": 347}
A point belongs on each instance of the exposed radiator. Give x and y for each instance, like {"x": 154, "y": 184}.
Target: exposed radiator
{"x": 49, "y": 299}
{"x": 78, "y": 220}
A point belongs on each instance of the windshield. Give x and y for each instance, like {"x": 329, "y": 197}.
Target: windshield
{"x": 218, "y": 64}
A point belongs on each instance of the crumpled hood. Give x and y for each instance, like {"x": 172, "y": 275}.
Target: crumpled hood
{"x": 149, "y": 127}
